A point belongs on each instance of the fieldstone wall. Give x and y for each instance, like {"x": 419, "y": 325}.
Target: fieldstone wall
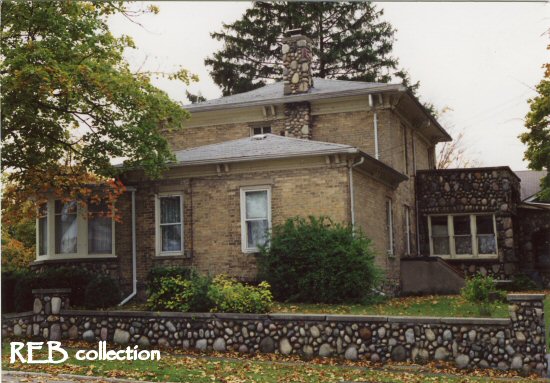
{"x": 296, "y": 49}
{"x": 516, "y": 343}
{"x": 297, "y": 123}
{"x": 534, "y": 239}
{"x": 493, "y": 190}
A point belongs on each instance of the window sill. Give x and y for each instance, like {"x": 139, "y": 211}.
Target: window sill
{"x": 74, "y": 257}
{"x": 177, "y": 254}
{"x": 467, "y": 257}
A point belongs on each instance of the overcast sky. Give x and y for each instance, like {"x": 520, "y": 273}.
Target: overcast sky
{"x": 480, "y": 59}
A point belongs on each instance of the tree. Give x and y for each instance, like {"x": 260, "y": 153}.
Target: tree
{"x": 350, "y": 43}
{"x": 453, "y": 154}
{"x": 71, "y": 103}
{"x": 537, "y": 137}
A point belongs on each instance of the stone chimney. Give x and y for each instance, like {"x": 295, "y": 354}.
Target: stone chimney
{"x": 296, "y": 50}
{"x": 297, "y": 79}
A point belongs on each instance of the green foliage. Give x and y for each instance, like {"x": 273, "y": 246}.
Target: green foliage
{"x": 69, "y": 98}
{"x": 317, "y": 261}
{"x": 537, "y": 137}
{"x": 350, "y": 42}
{"x": 231, "y": 296}
{"x": 101, "y": 292}
{"x": 522, "y": 282}
{"x": 179, "y": 292}
{"x": 17, "y": 287}
{"x": 157, "y": 273}
{"x": 480, "y": 291}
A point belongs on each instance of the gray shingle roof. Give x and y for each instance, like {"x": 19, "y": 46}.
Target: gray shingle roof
{"x": 530, "y": 182}
{"x": 256, "y": 148}
{"x": 274, "y": 92}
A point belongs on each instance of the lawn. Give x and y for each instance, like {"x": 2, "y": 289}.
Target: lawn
{"x": 260, "y": 368}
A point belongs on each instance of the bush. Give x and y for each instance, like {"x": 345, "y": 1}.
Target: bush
{"x": 317, "y": 261}
{"x": 101, "y": 292}
{"x": 522, "y": 282}
{"x": 231, "y": 296}
{"x": 17, "y": 287}
{"x": 157, "y": 273}
{"x": 177, "y": 293}
{"x": 480, "y": 291}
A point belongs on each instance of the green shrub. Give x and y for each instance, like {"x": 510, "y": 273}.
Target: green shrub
{"x": 317, "y": 261}
{"x": 522, "y": 282}
{"x": 101, "y": 292}
{"x": 177, "y": 293}
{"x": 10, "y": 279}
{"x": 229, "y": 295}
{"x": 481, "y": 291}
{"x": 157, "y": 273}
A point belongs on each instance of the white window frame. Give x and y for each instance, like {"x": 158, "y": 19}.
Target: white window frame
{"x": 473, "y": 233}
{"x": 244, "y": 237}
{"x": 158, "y": 236}
{"x": 262, "y": 127}
{"x": 48, "y": 218}
{"x": 81, "y": 240}
{"x": 408, "y": 233}
{"x": 390, "y": 245}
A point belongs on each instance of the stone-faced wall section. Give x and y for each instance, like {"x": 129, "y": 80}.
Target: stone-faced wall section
{"x": 517, "y": 343}
{"x": 493, "y": 190}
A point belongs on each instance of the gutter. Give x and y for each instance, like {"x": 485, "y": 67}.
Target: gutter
{"x": 352, "y": 198}
{"x": 134, "y": 252}
{"x": 375, "y": 122}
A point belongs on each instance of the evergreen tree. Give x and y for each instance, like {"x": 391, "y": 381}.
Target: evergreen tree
{"x": 350, "y": 43}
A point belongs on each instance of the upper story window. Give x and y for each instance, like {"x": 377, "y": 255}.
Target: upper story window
{"x": 255, "y": 217}
{"x": 260, "y": 130}
{"x": 463, "y": 236}
{"x": 66, "y": 227}
{"x": 66, "y": 230}
{"x": 170, "y": 224}
{"x": 42, "y": 229}
{"x": 389, "y": 228}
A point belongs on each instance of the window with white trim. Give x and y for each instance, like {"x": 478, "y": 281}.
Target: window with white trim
{"x": 170, "y": 224}
{"x": 463, "y": 236}
{"x": 260, "y": 130}
{"x": 408, "y": 234}
{"x": 42, "y": 229}
{"x": 100, "y": 229}
{"x": 66, "y": 227}
{"x": 389, "y": 228}
{"x": 255, "y": 217}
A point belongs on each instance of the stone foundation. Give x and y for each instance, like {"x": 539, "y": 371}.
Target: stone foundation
{"x": 515, "y": 343}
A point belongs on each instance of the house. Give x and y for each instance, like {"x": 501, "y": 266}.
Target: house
{"x": 361, "y": 153}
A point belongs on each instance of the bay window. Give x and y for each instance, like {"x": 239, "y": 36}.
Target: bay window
{"x": 170, "y": 224}
{"x": 463, "y": 236}
{"x": 255, "y": 217}
{"x": 67, "y": 229}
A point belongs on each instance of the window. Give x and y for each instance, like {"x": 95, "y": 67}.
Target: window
{"x": 66, "y": 227}
{"x": 170, "y": 224}
{"x": 405, "y": 149}
{"x": 100, "y": 229}
{"x": 255, "y": 217}
{"x": 389, "y": 227}
{"x": 261, "y": 130}
{"x": 408, "y": 235}
{"x": 463, "y": 236}
{"x": 43, "y": 229}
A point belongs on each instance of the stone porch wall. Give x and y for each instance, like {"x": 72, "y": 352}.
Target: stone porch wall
{"x": 515, "y": 343}
{"x": 493, "y": 190}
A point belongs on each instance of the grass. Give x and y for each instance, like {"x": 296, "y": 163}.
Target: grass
{"x": 260, "y": 368}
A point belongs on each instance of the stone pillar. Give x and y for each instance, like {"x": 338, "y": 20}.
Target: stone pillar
{"x": 47, "y": 307}
{"x": 297, "y": 122}
{"x": 297, "y": 55}
{"x": 528, "y": 332}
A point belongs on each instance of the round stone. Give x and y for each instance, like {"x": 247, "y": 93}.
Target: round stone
{"x": 201, "y": 344}
{"x": 399, "y": 353}
{"x": 325, "y": 350}
{"x": 351, "y": 353}
{"x": 219, "y": 345}
{"x": 517, "y": 363}
{"x": 462, "y": 361}
{"x": 441, "y": 353}
{"x": 365, "y": 333}
{"x": 409, "y": 336}
{"x": 285, "y": 347}
{"x": 430, "y": 335}
{"x": 295, "y": 78}
{"x": 267, "y": 345}
{"x": 315, "y": 333}
{"x": 88, "y": 336}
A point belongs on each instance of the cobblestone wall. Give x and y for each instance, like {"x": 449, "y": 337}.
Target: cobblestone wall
{"x": 516, "y": 343}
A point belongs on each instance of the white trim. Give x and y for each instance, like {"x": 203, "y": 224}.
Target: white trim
{"x": 81, "y": 239}
{"x": 158, "y": 238}
{"x": 473, "y": 235}
{"x": 243, "y": 191}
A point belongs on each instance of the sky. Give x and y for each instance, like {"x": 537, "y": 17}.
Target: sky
{"x": 480, "y": 60}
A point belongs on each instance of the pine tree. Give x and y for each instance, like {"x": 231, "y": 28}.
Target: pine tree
{"x": 350, "y": 43}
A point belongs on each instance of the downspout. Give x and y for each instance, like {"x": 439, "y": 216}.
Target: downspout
{"x": 375, "y": 123}
{"x": 352, "y": 198}
{"x": 134, "y": 263}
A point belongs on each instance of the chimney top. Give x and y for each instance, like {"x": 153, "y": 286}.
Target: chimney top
{"x": 294, "y": 32}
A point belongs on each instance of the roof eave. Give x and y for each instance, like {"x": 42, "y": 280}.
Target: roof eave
{"x": 379, "y": 170}
{"x": 297, "y": 98}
